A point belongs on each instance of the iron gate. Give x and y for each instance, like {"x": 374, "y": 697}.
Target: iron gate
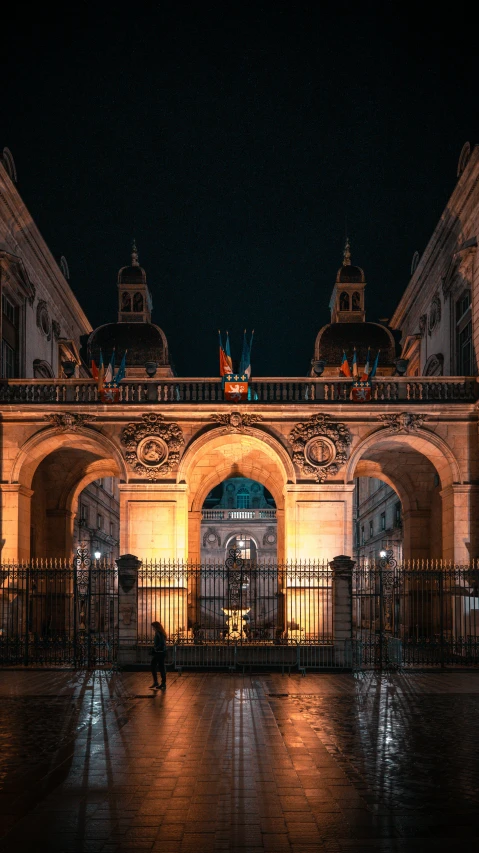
{"x": 423, "y": 613}
{"x": 55, "y": 612}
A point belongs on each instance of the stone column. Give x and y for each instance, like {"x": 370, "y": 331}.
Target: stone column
{"x": 15, "y": 520}
{"x": 342, "y": 570}
{"x": 128, "y": 566}
{"x": 460, "y": 522}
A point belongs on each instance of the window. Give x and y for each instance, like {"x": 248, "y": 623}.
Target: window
{"x": 242, "y": 499}
{"x": 9, "y": 310}
{"x": 99, "y": 521}
{"x": 397, "y": 515}
{"x": 8, "y": 361}
{"x": 84, "y": 513}
{"x": 464, "y": 365}
{"x": 363, "y": 536}
{"x": 112, "y": 529}
{"x": 138, "y": 303}
{"x": 125, "y": 301}
{"x": 383, "y": 521}
{"x": 371, "y": 530}
{"x": 356, "y": 301}
{"x": 344, "y": 301}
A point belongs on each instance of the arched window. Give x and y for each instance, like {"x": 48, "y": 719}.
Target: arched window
{"x": 138, "y": 302}
{"x": 125, "y": 301}
{"x": 242, "y": 499}
{"x": 344, "y": 301}
{"x": 356, "y": 301}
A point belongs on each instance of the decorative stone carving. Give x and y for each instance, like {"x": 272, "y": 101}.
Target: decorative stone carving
{"x": 422, "y": 325}
{"x": 434, "y": 314}
{"x": 403, "y": 422}
{"x": 152, "y": 446}
{"x": 68, "y": 421}
{"x": 211, "y": 538}
{"x": 235, "y": 421}
{"x": 43, "y": 319}
{"x": 320, "y": 446}
{"x": 56, "y": 329}
{"x": 269, "y": 538}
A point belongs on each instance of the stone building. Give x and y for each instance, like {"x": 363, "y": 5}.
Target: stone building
{"x": 169, "y": 441}
{"x": 242, "y": 517}
{"x": 438, "y": 319}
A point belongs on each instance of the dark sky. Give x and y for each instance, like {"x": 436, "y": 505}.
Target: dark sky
{"x": 234, "y": 140}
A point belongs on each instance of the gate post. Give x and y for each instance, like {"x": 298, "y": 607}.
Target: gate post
{"x": 128, "y": 566}
{"x": 342, "y": 570}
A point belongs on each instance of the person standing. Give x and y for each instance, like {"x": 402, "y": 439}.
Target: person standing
{"x": 158, "y": 658}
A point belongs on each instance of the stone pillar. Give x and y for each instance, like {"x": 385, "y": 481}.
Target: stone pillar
{"x": 417, "y": 534}
{"x": 318, "y": 520}
{"x": 342, "y": 569}
{"x": 15, "y": 519}
{"x": 128, "y": 566}
{"x": 460, "y": 523}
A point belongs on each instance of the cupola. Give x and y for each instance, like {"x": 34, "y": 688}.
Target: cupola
{"x": 134, "y": 298}
{"x": 347, "y": 303}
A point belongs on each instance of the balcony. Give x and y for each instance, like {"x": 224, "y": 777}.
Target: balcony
{"x": 238, "y": 514}
{"x": 298, "y": 391}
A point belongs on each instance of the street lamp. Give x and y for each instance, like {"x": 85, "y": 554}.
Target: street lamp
{"x": 383, "y": 554}
{"x": 97, "y": 555}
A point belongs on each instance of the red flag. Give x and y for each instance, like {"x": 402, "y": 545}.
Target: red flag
{"x": 344, "y": 369}
{"x": 94, "y": 371}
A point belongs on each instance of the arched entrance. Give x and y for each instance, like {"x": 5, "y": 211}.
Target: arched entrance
{"x": 50, "y": 471}
{"x": 424, "y": 473}
{"x": 211, "y": 459}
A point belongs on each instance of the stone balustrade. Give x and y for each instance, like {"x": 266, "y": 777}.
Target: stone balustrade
{"x": 238, "y": 514}
{"x": 264, "y": 390}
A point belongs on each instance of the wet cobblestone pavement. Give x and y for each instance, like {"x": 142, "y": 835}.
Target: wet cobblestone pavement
{"x": 223, "y": 762}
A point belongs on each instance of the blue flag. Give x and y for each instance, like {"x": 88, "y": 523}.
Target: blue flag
{"x": 375, "y": 364}
{"x": 121, "y": 370}
{"x": 245, "y": 363}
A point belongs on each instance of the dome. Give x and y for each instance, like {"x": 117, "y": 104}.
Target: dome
{"x": 144, "y": 342}
{"x": 349, "y": 274}
{"x": 336, "y": 338}
{"x": 132, "y": 275}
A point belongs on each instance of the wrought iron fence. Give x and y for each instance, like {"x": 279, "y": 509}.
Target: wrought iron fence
{"x": 237, "y": 603}
{"x": 56, "y": 612}
{"x": 422, "y": 613}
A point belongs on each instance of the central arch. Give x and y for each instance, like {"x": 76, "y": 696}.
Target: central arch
{"x": 218, "y": 455}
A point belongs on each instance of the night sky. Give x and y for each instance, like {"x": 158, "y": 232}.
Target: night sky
{"x": 237, "y": 142}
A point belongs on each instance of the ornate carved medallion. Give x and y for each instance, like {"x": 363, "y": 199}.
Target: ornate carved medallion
{"x": 68, "y": 420}
{"x": 152, "y": 446}
{"x": 403, "y": 422}
{"x": 320, "y": 446}
{"x": 235, "y": 421}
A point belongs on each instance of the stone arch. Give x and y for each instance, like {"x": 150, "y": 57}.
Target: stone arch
{"x": 216, "y": 456}
{"x": 430, "y": 445}
{"x": 421, "y": 468}
{"x": 42, "y": 443}
{"x": 54, "y": 465}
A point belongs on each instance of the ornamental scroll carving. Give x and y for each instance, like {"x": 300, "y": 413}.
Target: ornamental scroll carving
{"x": 68, "y": 420}
{"x": 320, "y": 446}
{"x": 403, "y": 422}
{"x": 235, "y": 421}
{"x": 152, "y": 446}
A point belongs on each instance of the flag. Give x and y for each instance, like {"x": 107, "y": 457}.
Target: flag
{"x": 228, "y": 353}
{"x": 224, "y": 366}
{"x": 375, "y": 365}
{"x": 245, "y": 363}
{"x": 101, "y": 371}
{"x": 110, "y": 369}
{"x": 344, "y": 369}
{"x": 365, "y": 374}
{"x": 94, "y": 370}
{"x": 355, "y": 364}
{"x": 121, "y": 370}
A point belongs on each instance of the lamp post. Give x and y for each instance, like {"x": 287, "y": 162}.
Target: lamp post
{"x": 318, "y": 366}
{"x": 151, "y": 367}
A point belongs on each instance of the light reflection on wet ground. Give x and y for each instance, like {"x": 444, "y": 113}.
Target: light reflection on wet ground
{"x": 223, "y": 762}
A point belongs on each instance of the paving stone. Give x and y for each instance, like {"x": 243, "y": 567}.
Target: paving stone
{"x": 340, "y": 764}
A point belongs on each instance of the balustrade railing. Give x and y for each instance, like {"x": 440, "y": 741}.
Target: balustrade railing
{"x": 265, "y": 390}
{"x": 238, "y": 514}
